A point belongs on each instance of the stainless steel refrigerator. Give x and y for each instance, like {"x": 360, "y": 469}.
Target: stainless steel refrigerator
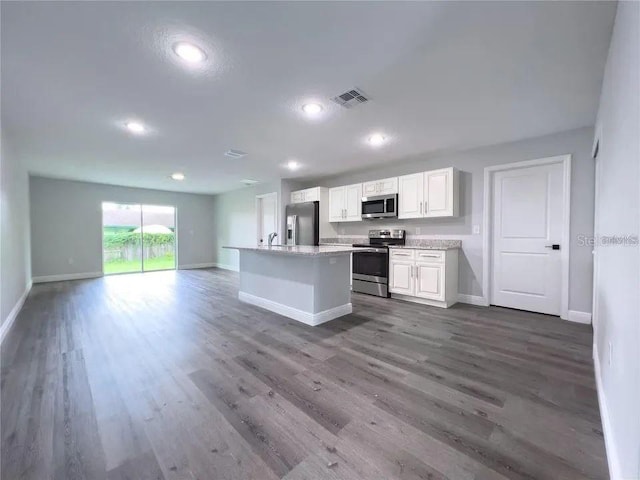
{"x": 303, "y": 223}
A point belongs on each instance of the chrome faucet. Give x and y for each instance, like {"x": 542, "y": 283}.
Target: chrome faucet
{"x": 271, "y": 237}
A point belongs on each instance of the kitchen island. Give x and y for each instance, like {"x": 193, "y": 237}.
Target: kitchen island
{"x": 309, "y": 284}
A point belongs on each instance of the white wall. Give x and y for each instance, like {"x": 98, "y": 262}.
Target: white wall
{"x": 66, "y": 224}
{"x": 617, "y": 319}
{"x": 15, "y": 266}
{"x": 235, "y": 219}
{"x": 471, "y": 164}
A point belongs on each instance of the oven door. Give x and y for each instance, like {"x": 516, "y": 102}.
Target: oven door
{"x": 371, "y": 266}
{"x": 380, "y": 207}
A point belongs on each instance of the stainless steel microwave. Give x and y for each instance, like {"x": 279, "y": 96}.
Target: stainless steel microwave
{"x": 381, "y": 206}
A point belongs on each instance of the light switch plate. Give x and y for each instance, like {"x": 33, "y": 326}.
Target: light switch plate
{"x": 417, "y": 230}
{"x": 476, "y": 229}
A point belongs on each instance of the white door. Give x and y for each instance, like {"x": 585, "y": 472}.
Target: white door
{"x": 353, "y": 202}
{"x": 527, "y": 221}
{"x": 267, "y": 217}
{"x": 401, "y": 277}
{"x": 430, "y": 280}
{"x": 438, "y": 193}
{"x": 336, "y": 204}
{"x": 410, "y": 195}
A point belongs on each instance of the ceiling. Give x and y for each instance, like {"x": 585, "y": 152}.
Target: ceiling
{"x": 441, "y": 76}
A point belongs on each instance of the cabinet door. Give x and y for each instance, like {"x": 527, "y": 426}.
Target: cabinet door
{"x": 370, "y": 189}
{"x": 312, "y": 194}
{"x": 336, "y": 204}
{"x": 297, "y": 197}
{"x": 388, "y": 186}
{"x": 353, "y": 202}
{"x": 401, "y": 277}
{"x": 438, "y": 193}
{"x": 410, "y": 195}
{"x": 430, "y": 280}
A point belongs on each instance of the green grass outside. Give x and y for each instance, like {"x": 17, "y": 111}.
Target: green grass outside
{"x": 126, "y": 266}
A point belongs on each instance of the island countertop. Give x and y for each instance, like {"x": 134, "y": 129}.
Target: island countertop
{"x": 304, "y": 250}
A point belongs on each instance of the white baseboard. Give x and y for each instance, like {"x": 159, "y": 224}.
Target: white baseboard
{"x": 197, "y": 265}
{"x": 307, "y": 318}
{"x": 422, "y": 301}
{"x": 579, "y": 317}
{"x": 226, "y": 267}
{"x": 615, "y": 472}
{"x": 13, "y": 314}
{"x": 66, "y": 276}
{"x": 473, "y": 299}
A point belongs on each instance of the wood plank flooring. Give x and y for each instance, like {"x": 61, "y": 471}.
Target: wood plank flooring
{"x": 168, "y": 376}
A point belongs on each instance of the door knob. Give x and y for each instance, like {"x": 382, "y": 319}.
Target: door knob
{"x": 554, "y": 246}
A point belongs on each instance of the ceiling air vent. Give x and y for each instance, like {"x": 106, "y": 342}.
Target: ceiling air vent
{"x": 235, "y": 153}
{"x": 248, "y": 182}
{"x": 351, "y": 98}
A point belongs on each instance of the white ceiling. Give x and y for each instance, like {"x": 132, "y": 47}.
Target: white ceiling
{"x": 441, "y": 76}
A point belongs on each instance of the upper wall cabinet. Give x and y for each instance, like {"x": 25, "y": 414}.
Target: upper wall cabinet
{"x": 345, "y": 203}
{"x": 306, "y": 195}
{"x": 387, "y": 186}
{"x": 429, "y": 194}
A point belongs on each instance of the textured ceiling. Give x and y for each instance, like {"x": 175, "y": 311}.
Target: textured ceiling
{"x": 440, "y": 76}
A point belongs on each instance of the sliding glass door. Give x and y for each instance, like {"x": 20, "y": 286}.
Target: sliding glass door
{"x": 138, "y": 238}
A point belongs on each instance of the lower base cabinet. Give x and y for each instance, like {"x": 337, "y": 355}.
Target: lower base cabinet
{"x": 424, "y": 276}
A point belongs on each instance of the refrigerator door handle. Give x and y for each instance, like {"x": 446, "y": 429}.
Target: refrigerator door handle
{"x": 295, "y": 229}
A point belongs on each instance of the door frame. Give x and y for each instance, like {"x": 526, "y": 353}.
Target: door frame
{"x": 487, "y": 220}
{"x": 596, "y": 149}
{"x": 259, "y": 199}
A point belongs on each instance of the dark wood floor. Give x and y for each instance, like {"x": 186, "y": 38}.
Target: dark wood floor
{"x": 168, "y": 376}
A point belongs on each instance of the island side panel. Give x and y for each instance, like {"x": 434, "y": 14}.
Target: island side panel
{"x": 332, "y": 294}
{"x": 310, "y": 289}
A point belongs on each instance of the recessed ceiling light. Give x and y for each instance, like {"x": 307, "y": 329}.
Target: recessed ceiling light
{"x": 292, "y": 165}
{"x": 177, "y": 176}
{"x": 135, "y": 127}
{"x": 189, "y": 52}
{"x": 312, "y": 108}
{"x": 377, "y": 139}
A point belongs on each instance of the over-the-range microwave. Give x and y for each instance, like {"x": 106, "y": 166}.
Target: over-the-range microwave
{"x": 381, "y": 206}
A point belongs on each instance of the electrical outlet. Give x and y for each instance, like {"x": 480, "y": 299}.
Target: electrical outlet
{"x": 610, "y": 352}
{"x": 476, "y": 229}
{"x": 417, "y": 230}
{"x": 70, "y": 260}
{"x": 332, "y": 261}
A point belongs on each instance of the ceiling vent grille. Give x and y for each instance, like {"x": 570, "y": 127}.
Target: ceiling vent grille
{"x": 235, "y": 153}
{"x": 351, "y": 98}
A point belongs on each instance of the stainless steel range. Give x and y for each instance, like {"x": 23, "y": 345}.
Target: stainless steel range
{"x": 371, "y": 269}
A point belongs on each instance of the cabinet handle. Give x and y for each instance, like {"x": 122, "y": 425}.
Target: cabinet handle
{"x": 401, "y": 254}
{"x": 430, "y": 256}
{"x": 411, "y": 270}
{"x": 417, "y": 273}
{"x": 420, "y": 208}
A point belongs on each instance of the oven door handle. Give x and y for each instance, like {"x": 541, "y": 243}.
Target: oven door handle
{"x": 372, "y": 250}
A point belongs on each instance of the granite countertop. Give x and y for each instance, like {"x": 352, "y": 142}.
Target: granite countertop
{"x": 303, "y": 250}
{"x": 431, "y": 244}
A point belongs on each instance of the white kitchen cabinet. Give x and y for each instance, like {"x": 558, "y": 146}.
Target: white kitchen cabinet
{"x": 424, "y": 276}
{"x": 429, "y": 280}
{"x": 386, "y": 186}
{"x": 429, "y": 194}
{"x": 336, "y": 204}
{"x": 410, "y": 195}
{"x": 345, "y": 203}
{"x": 401, "y": 277}
{"x": 440, "y": 193}
{"x": 306, "y": 195}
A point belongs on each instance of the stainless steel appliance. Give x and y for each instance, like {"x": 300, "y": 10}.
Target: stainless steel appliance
{"x": 381, "y": 206}
{"x": 371, "y": 269}
{"x": 303, "y": 223}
